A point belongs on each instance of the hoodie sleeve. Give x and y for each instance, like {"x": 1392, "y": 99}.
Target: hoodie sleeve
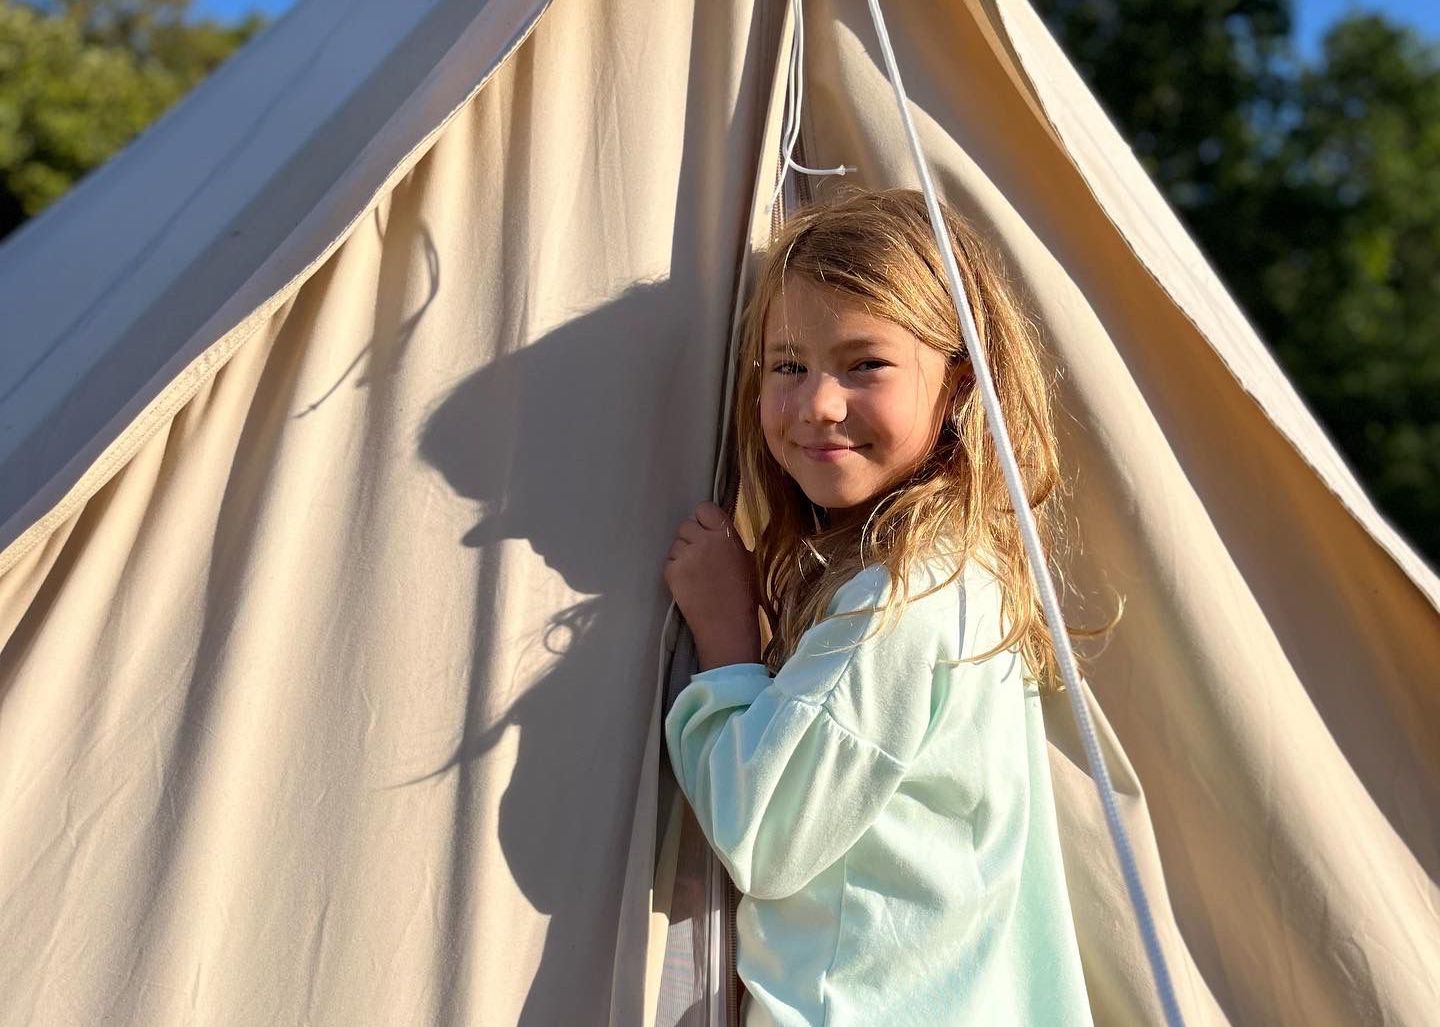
{"x": 786, "y": 773}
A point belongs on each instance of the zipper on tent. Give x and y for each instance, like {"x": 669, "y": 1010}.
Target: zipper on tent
{"x": 732, "y": 974}
{"x": 777, "y": 211}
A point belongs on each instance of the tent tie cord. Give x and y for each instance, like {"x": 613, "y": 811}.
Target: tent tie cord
{"x": 1033, "y": 549}
{"x": 794, "y": 97}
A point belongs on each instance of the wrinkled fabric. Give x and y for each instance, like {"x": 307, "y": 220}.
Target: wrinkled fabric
{"x": 347, "y": 411}
{"x": 302, "y": 714}
{"x": 887, "y": 813}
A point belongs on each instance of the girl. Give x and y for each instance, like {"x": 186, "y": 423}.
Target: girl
{"x": 875, "y": 781}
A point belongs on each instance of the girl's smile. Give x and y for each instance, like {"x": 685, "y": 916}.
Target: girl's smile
{"x": 832, "y": 454}
{"x": 849, "y": 403}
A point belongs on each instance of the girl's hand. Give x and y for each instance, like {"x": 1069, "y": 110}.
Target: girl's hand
{"x": 712, "y": 577}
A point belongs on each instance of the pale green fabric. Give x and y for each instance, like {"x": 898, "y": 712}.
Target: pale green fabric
{"x": 888, "y": 818}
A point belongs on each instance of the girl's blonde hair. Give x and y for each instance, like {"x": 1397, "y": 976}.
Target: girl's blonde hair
{"x": 878, "y": 248}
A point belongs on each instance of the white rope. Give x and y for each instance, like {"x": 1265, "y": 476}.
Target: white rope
{"x": 794, "y": 97}
{"x": 1038, "y": 568}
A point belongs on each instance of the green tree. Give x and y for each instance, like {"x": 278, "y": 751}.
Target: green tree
{"x": 1311, "y": 187}
{"x": 79, "y": 81}
{"x": 1193, "y": 84}
{"x": 157, "y": 31}
{"x": 1349, "y": 284}
{"x": 131, "y": 24}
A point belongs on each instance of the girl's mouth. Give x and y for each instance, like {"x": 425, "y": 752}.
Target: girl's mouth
{"x": 829, "y": 456}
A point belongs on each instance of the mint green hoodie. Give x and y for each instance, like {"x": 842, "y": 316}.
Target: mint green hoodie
{"x": 888, "y": 817}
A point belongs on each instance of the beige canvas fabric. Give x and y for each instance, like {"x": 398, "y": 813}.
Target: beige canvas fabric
{"x": 327, "y": 696}
{"x": 346, "y": 419}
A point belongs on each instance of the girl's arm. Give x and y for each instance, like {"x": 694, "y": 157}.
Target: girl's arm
{"x": 786, "y": 773}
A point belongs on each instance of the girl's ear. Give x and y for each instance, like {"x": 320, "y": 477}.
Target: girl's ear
{"x": 962, "y": 381}
{"x": 962, "y": 377}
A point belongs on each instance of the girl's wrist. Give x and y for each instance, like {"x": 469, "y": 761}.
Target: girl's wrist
{"x": 724, "y": 652}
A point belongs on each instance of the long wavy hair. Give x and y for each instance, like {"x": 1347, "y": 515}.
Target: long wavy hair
{"x": 878, "y": 248}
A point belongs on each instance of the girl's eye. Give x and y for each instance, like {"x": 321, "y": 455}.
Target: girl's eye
{"x": 864, "y": 365}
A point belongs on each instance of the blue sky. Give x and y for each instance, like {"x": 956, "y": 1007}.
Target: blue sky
{"x": 235, "y": 8}
{"x": 1312, "y": 17}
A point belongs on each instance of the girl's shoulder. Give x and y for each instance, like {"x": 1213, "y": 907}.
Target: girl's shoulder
{"x": 957, "y": 602}
{"x": 933, "y": 577}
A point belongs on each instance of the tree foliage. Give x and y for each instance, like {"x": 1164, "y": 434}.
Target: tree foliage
{"x": 81, "y": 79}
{"x": 1312, "y": 187}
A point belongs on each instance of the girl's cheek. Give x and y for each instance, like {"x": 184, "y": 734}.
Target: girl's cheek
{"x": 770, "y": 410}
{"x": 773, "y": 429}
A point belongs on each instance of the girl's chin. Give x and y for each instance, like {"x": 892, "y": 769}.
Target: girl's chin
{"x": 838, "y": 506}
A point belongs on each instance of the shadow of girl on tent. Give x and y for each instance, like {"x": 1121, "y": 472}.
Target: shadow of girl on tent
{"x": 583, "y": 444}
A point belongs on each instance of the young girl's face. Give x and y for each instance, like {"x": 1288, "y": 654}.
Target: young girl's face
{"x": 850, "y": 403}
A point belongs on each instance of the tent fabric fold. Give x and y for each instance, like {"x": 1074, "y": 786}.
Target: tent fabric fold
{"x": 346, "y": 416}
{"x": 175, "y": 251}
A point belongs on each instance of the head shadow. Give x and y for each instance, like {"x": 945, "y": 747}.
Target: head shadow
{"x": 571, "y": 444}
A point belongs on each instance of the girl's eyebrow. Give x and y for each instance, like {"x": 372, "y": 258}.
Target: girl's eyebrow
{"x": 857, "y": 342}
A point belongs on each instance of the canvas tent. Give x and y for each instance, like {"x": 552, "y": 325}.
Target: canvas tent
{"x": 344, "y": 421}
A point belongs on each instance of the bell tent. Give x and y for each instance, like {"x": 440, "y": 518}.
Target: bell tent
{"x": 344, "y": 420}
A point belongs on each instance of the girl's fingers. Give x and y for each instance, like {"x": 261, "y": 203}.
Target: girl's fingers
{"x": 711, "y": 516}
{"x": 709, "y": 520}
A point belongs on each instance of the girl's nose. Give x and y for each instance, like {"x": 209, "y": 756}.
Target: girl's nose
{"x": 823, "y": 400}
